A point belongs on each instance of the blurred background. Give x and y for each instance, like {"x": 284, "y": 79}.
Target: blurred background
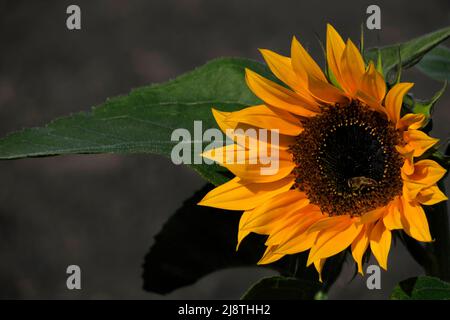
{"x": 102, "y": 212}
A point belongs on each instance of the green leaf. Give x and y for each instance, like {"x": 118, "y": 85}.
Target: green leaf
{"x": 410, "y": 52}
{"x": 422, "y": 288}
{"x": 282, "y": 288}
{"x": 436, "y": 64}
{"x": 143, "y": 121}
{"x": 425, "y": 107}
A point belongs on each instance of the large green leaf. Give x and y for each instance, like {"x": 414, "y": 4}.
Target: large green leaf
{"x": 407, "y": 53}
{"x": 143, "y": 121}
{"x": 422, "y": 288}
{"x": 436, "y": 64}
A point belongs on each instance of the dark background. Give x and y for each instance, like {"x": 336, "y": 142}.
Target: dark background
{"x": 101, "y": 212}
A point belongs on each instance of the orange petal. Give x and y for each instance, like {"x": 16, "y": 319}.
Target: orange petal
{"x": 278, "y": 96}
{"x": 303, "y": 64}
{"x": 352, "y": 68}
{"x": 371, "y": 102}
{"x": 239, "y": 195}
{"x": 335, "y": 49}
{"x": 326, "y": 92}
{"x": 415, "y": 221}
{"x": 418, "y": 141}
{"x": 373, "y": 215}
{"x": 334, "y": 240}
{"x": 373, "y": 84}
{"x": 426, "y": 173}
{"x": 394, "y": 100}
{"x": 393, "y": 218}
{"x": 408, "y": 154}
{"x": 431, "y": 195}
{"x": 281, "y": 67}
{"x": 328, "y": 222}
{"x": 279, "y": 206}
{"x": 259, "y": 173}
{"x": 262, "y": 116}
{"x": 220, "y": 117}
{"x": 235, "y": 129}
{"x": 241, "y": 232}
{"x": 291, "y": 236}
{"x": 270, "y": 256}
{"x": 380, "y": 243}
{"x": 412, "y": 121}
{"x": 360, "y": 245}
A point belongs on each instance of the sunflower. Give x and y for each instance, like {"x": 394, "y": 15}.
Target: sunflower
{"x": 352, "y": 168}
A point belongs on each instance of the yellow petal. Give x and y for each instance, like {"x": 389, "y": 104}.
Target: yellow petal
{"x": 415, "y": 221}
{"x": 254, "y": 172}
{"x": 408, "y": 154}
{"x": 270, "y": 256}
{"x": 412, "y": 121}
{"x": 291, "y": 236}
{"x": 373, "y": 84}
{"x": 394, "y": 100}
{"x": 326, "y": 92}
{"x": 278, "y": 96}
{"x": 393, "y": 219}
{"x": 220, "y": 117}
{"x": 360, "y": 245}
{"x": 352, "y": 68}
{"x": 426, "y": 173}
{"x": 431, "y": 195}
{"x": 373, "y": 215}
{"x": 250, "y": 163}
{"x": 275, "y": 208}
{"x": 241, "y": 232}
{"x": 264, "y": 117}
{"x": 418, "y": 141}
{"x": 236, "y": 129}
{"x": 328, "y": 223}
{"x": 380, "y": 243}
{"x": 281, "y": 67}
{"x": 334, "y": 240}
{"x": 371, "y": 102}
{"x": 303, "y": 64}
{"x": 298, "y": 243}
{"x": 239, "y": 195}
{"x": 335, "y": 48}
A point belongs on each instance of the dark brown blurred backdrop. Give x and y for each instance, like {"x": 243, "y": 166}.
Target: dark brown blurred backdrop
{"x": 101, "y": 212}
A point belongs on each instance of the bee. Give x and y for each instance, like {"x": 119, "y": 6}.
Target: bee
{"x": 357, "y": 183}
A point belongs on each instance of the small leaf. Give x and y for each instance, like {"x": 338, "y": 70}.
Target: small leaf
{"x": 143, "y": 121}
{"x": 426, "y": 106}
{"x": 410, "y": 52}
{"x": 414, "y": 105}
{"x": 436, "y": 64}
{"x": 282, "y": 288}
{"x": 422, "y": 288}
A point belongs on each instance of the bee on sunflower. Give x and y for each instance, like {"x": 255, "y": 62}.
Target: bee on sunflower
{"x": 351, "y": 166}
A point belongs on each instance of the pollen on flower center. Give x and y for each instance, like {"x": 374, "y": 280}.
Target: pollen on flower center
{"x": 346, "y": 160}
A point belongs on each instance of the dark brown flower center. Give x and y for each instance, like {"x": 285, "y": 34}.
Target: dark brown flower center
{"x": 346, "y": 160}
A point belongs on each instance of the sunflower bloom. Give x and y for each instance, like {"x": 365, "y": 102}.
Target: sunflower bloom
{"x": 351, "y": 166}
